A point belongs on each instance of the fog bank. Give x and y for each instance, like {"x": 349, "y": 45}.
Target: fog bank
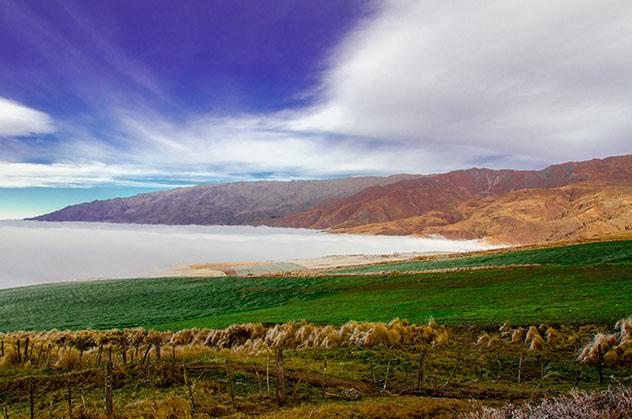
{"x": 37, "y": 252}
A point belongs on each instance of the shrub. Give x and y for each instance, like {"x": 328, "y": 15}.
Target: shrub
{"x": 615, "y": 402}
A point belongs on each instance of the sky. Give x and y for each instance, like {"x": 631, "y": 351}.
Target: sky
{"x": 111, "y": 97}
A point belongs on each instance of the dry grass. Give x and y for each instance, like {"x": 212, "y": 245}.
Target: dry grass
{"x": 380, "y": 361}
{"x": 67, "y": 350}
{"x": 616, "y": 402}
{"x": 409, "y": 407}
{"x": 613, "y": 349}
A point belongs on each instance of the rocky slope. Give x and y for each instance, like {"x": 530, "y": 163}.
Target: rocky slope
{"x": 562, "y": 202}
{"x": 230, "y": 204}
{"x": 443, "y": 199}
{"x": 573, "y": 212}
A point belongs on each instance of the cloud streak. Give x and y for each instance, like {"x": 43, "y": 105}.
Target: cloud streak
{"x": 18, "y": 120}
{"x": 521, "y": 79}
{"x": 417, "y": 86}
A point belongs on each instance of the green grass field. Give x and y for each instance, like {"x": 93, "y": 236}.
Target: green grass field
{"x": 556, "y": 294}
{"x": 580, "y": 254}
{"x": 580, "y": 290}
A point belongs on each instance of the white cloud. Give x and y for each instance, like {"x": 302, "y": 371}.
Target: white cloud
{"x": 32, "y": 252}
{"x": 424, "y": 86}
{"x": 544, "y": 80}
{"x": 22, "y": 175}
{"x": 420, "y": 87}
{"x": 18, "y": 120}
{"x": 265, "y": 143}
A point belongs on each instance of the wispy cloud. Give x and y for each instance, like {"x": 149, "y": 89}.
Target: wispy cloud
{"x": 94, "y": 173}
{"x": 16, "y": 175}
{"x": 259, "y": 143}
{"x": 416, "y": 87}
{"x": 543, "y": 80}
{"x": 17, "y": 120}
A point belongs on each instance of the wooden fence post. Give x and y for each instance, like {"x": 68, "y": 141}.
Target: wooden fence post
{"x": 109, "y": 408}
{"x": 124, "y": 351}
{"x": 69, "y": 396}
{"x": 26, "y": 349}
{"x": 189, "y": 387}
{"x": 280, "y": 376}
{"x": 324, "y": 376}
{"x": 99, "y": 352}
{"x": 388, "y": 369}
{"x": 31, "y": 399}
{"x": 146, "y": 355}
{"x": 421, "y": 368}
{"x": 600, "y": 364}
{"x": 229, "y": 379}
{"x": 258, "y": 381}
{"x": 39, "y": 355}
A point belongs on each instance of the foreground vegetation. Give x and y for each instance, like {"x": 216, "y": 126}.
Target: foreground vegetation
{"x": 518, "y": 341}
{"x": 556, "y": 294}
{"x": 358, "y": 369}
{"x": 615, "y": 402}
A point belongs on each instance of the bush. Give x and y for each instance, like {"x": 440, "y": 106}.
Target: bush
{"x": 616, "y": 402}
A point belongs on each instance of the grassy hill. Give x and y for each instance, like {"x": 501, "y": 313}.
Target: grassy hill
{"x": 617, "y": 252}
{"x": 556, "y": 293}
{"x": 580, "y": 290}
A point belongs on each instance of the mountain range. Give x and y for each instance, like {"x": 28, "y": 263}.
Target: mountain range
{"x": 570, "y": 201}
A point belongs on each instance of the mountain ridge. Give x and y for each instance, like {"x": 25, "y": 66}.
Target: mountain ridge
{"x": 414, "y": 197}
{"x": 229, "y": 203}
{"x": 507, "y": 205}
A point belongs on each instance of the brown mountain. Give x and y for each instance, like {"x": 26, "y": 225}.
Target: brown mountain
{"x": 506, "y": 205}
{"x": 562, "y": 202}
{"x": 230, "y": 203}
{"x": 526, "y": 216}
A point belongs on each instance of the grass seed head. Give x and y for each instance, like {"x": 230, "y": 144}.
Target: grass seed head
{"x": 482, "y": 340}
{"x": 532, "y": 333}
{"x": 537, "y": 344}
{"x": 505, "y": 329}
{"x": 551, "y": 334}
{"x": 518, "y": 335}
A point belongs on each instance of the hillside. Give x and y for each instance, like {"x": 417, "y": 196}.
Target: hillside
{"x": 443, "y": 192}
{"x": 331, "y": 356}
{"x": 568, "y": 201}
{"x": 607, "y": 252}
{"x": 563, "y": 287}
{"x": 225, "y": 204}
{"x": 574, "y": 212}
{"x": 561, "y": 202}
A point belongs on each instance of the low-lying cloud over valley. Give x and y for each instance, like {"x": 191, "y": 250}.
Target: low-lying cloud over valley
{"x": 36, "y": 252}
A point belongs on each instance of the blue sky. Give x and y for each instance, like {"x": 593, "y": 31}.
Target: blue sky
{"x": 111, "y": 98}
